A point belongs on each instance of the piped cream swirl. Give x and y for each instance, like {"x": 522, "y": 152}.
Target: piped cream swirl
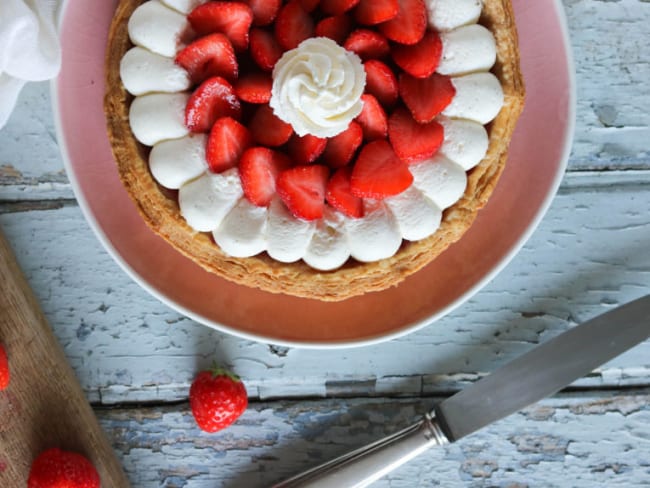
{"x": 317, "y": 87}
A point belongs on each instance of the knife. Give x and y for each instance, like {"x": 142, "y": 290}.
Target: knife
{"x": 527, "y": 379}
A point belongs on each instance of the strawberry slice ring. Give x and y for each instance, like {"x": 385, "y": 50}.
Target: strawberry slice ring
{"x": 352, "y": 131}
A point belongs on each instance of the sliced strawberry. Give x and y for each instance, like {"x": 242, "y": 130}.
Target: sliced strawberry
{"x": 233, "y": 19}
{"x": 372, "y": 119}
{"x": 378, "y": 172}
{"x": 267, "y": 129}
{"x": 421, "y": 59}
{"x": 264, "y": 49}
{"x": 341, "y": 148}
{"x": 339, "y": 194}
{"x": 306, "y": 149}
{"x": 213, "y": 99}
{"x": 254, "y": 87}
{"x": 309, "y": 5}
{"x": 426, "y": 97}
{"x": 411, "y": 140}
{"x": 227, "y": 142}
{"x": 302, "y": 189}
{"x": 293, "y": 25}
{"x": 259, "y": 169}
{"x": 371, "y": 12}
{"x": 381, "y": 82}
{"x": 208, "y": 56}
{"x": 337, "y": 7}
{"x": 410, "y": 23}
{"x": 264, "y": 11}
{"x": 337, "y": 28}
{"x": 367, "y": 44}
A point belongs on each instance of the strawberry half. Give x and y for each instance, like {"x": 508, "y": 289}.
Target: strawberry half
{"x": 227, "y": 142}
{"x": 306, "y": 149}
{"x": 410, "y": 23}
{"x": 371, "y": 12}
{"x": 339, "y": 194}
{"x": 264, "y": 11}
{"x": 340, "y": 149}
{"x": 337, "y": 28}
{"x": 259, "y": 169}
{"x": 372, "y": 119}
{"x": 378, "y": 172}
{"x": 233, "y": 19}
{"x": 208, "y": 56}
{"x": 381, "y": 82}
{"x": 213, "y": 99}
{"x": 254, "y": 87}
{"x": 337, "y": 7}
{"x": 421, "y": 59}
{"x": 411, "y": 140}
{"x": 426, "y": 97}
{"x": 302, "y": 189}
{"x": 293, "y": 25}
{"x": 309, "y": 5}
{"x": 268, "y": 129}
{"x": 367, "y": 44}
{"x": 264, "y": 49}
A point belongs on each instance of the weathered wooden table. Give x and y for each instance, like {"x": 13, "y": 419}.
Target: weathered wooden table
{"x": 135, "y": 357}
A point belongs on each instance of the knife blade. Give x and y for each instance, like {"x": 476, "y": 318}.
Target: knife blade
{"x": 541, "y": 372}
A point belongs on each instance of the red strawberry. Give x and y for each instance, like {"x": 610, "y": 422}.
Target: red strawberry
{"x": 339, "y": 194}
{"x": 302, "y": 189}
{"x": 378, "y": 172}
{"x": 4, "y": 369}
{"x": 293, "y": 25}
{"x": 309, "y": 5}
{"x": 57, "y": 468}
{"x": 372, "y": 119}
{"x": 259, "y": 169}
{"x": 227, "y": 142}
{"x": 217, "y": 399}
{"x": 264, "y": 49}
{"x": 268, "y": 129}
{"x": 412, "y": 141}
{"x": 233, "y": 19}
{"x": 213, "y": 99}
{"x": 421, "y": 59}
{"x": 337, "y": 7}
{"x": 371, "y": 12}
{"x": 306, "y": 149}
{"x": 381, "y": 82}
{"x": 254, "y": 87}
{"x": 264, "y": 11}
{"x": 367, "y": 44}
{"x": 410, "y": 23}
{"x": 336, "y": 28}
{"x": 341, "y": 148}
{"x": 426, "y": 97}
{"x": 208, "y": 56}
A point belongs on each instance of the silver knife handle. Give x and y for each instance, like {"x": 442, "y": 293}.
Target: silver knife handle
{"x": 367, "y": 464}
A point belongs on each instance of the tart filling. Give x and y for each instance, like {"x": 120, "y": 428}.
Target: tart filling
{"x": 318, "y": 89}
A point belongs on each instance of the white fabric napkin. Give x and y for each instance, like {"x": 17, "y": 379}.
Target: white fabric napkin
{"x": 29, "y": 48}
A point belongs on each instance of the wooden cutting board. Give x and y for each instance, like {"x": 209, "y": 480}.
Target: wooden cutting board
{"x": 44, "y": 405}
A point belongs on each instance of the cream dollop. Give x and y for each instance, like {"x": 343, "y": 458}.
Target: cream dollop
{"x": 317, "y": 87}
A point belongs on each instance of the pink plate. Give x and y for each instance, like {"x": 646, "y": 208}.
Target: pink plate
{"x": 528, "y": 184}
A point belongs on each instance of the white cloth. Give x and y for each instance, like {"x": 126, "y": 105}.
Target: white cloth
{"x": 29, "y": 48}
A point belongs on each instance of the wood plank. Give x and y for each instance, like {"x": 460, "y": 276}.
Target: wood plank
{"x": 578, "y": 441}
{"x": 589, "y": 254}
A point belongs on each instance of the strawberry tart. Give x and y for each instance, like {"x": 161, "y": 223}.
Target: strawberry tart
{"x": 318, "y": 148}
